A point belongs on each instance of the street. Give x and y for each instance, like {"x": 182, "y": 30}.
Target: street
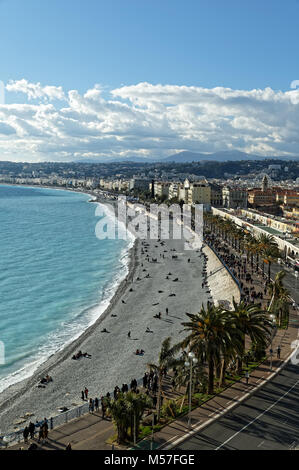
{"x": 269, "y": 420}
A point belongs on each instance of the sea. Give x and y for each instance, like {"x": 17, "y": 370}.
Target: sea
{"x": 56, "y": 276}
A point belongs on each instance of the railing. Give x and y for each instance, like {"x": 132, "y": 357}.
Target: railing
{"x": 16, "y": 437}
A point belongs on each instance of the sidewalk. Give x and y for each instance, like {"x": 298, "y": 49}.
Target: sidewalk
{"x": 232, "y": 396}
{"x": 90, "y": 432}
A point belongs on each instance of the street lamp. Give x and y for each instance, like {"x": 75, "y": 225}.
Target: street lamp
{"x": 192, "y": 360}
{"x": 273, "y": 324}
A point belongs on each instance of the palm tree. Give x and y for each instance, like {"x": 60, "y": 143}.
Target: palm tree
{"x": 127, "y": 411}
{"x": 182, "y": 378}
{"x": 210, "y": 334}
{"x": 269, "y": 250}
{"x": 167, "y": 359}
{"x": 250, "y": 320}
{"x": 119, "y": 412}
{"x": 280, "y": 297}
{"x": 136, "y": 404}
{"x": 271, "y": 255}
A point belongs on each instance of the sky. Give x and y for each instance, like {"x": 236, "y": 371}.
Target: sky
{"x": 93, "y": 78}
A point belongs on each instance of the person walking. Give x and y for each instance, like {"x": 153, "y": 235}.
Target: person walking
{"x": 90, "y": 405}
{"x": 103, "y": 404}
{"x": 45, "y": 429}
{"x": 82, "y": 395}
{"x": 96, "y": 404}
{"x": 278, "y": 352}
{"x": 86, "y": 393}
{"x": 41, "y": 434}
{"x": 26, "y": 434}
{"x": 247, "y": 377}
{"x": 31, "y": 429}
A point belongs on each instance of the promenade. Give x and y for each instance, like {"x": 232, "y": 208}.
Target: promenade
{"x": 91, "y": 432}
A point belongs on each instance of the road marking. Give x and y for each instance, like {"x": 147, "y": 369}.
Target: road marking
{"x": 261, "y": 414}
{"x": 261, "y": 443}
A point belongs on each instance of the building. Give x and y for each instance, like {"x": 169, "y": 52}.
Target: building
{"x": 161, "y": 189}
{"x": 139, "y": 183}
{"x": 199, "y": 193}
{"x": 234, "y": 197}
{"x": 216, "y": 195}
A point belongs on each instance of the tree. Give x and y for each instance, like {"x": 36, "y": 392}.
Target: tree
{"x": 250, "y": 320}
{"x": 166, "y": 360}
{"x": 127, "y": 411}
{"x": 211, "y": 332}
{"x": 280, "y": 298}
{"x": 268, "y": 248}
{"x": 136, "y": 403}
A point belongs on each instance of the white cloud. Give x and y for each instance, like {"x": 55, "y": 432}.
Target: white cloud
{"x": 147, "y": 120}
{"x": 36, "y": 90}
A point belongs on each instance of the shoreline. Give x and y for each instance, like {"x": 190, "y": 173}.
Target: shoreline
{"x": 114, "y": 361}
{"x": 117, "y": 288}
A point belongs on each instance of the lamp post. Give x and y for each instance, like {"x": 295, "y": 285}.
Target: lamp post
{"x": 192, "y": 360}
{"x": 273, "y": 324}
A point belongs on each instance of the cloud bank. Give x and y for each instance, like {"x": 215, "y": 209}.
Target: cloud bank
{"x": 145, "y": 120}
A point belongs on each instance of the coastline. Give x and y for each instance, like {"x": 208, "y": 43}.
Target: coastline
{"x": 113, "y": 361}
{"x": 116, "y": 290}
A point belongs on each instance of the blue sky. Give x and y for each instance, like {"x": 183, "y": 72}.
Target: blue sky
{"x": 76, "y": 43}
{"x": 94, "y": 78}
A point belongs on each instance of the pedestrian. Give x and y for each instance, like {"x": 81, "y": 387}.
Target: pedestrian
{"x": 90, "y": 405}
{"x": 69, "y": 447}
{"x": 166, "y": 310}
{"x": 26, "y": 434}
{"x": 129, "y": 334}
{"x": 31, "y": 428}
{"x": 41, "y": 434}
{"x": 45, "y": 429}
{"x": 82, "y": 395}
{"x": 86, "y": 393}
{"x": 278, "y": 352}
{"x": 247, "y": 377}
{"x": 96, "y": 404}
{"x": 103, "y": 405}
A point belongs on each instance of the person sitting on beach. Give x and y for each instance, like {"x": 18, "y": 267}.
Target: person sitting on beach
{"x": 104, "y": 330}
{"x": 137, "y": 352}
{"x": 86, "y": 355}
{"x": 77, "y": 356}
{"x": 147, "y": 330}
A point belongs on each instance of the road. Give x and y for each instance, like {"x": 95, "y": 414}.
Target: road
{"x": 290, "y": 281}
{"x": 269, "y": 420}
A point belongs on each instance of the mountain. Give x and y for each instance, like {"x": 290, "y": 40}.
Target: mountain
{"x": 234, "y": 155}
{"x": 185, "y": 157}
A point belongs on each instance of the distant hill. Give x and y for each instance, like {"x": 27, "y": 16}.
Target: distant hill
{"x": 185, "y": 157}
{"x": 234, "y": 155}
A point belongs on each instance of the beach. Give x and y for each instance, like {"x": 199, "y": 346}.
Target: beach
{"x": 113, "y": 360}
{"x": 161, "y": 275}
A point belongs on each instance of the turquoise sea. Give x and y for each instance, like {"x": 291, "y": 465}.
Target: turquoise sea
{"x": 56, "y": 277}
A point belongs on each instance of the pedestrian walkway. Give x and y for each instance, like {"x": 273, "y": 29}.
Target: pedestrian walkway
{"x": 91, "y": 432}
